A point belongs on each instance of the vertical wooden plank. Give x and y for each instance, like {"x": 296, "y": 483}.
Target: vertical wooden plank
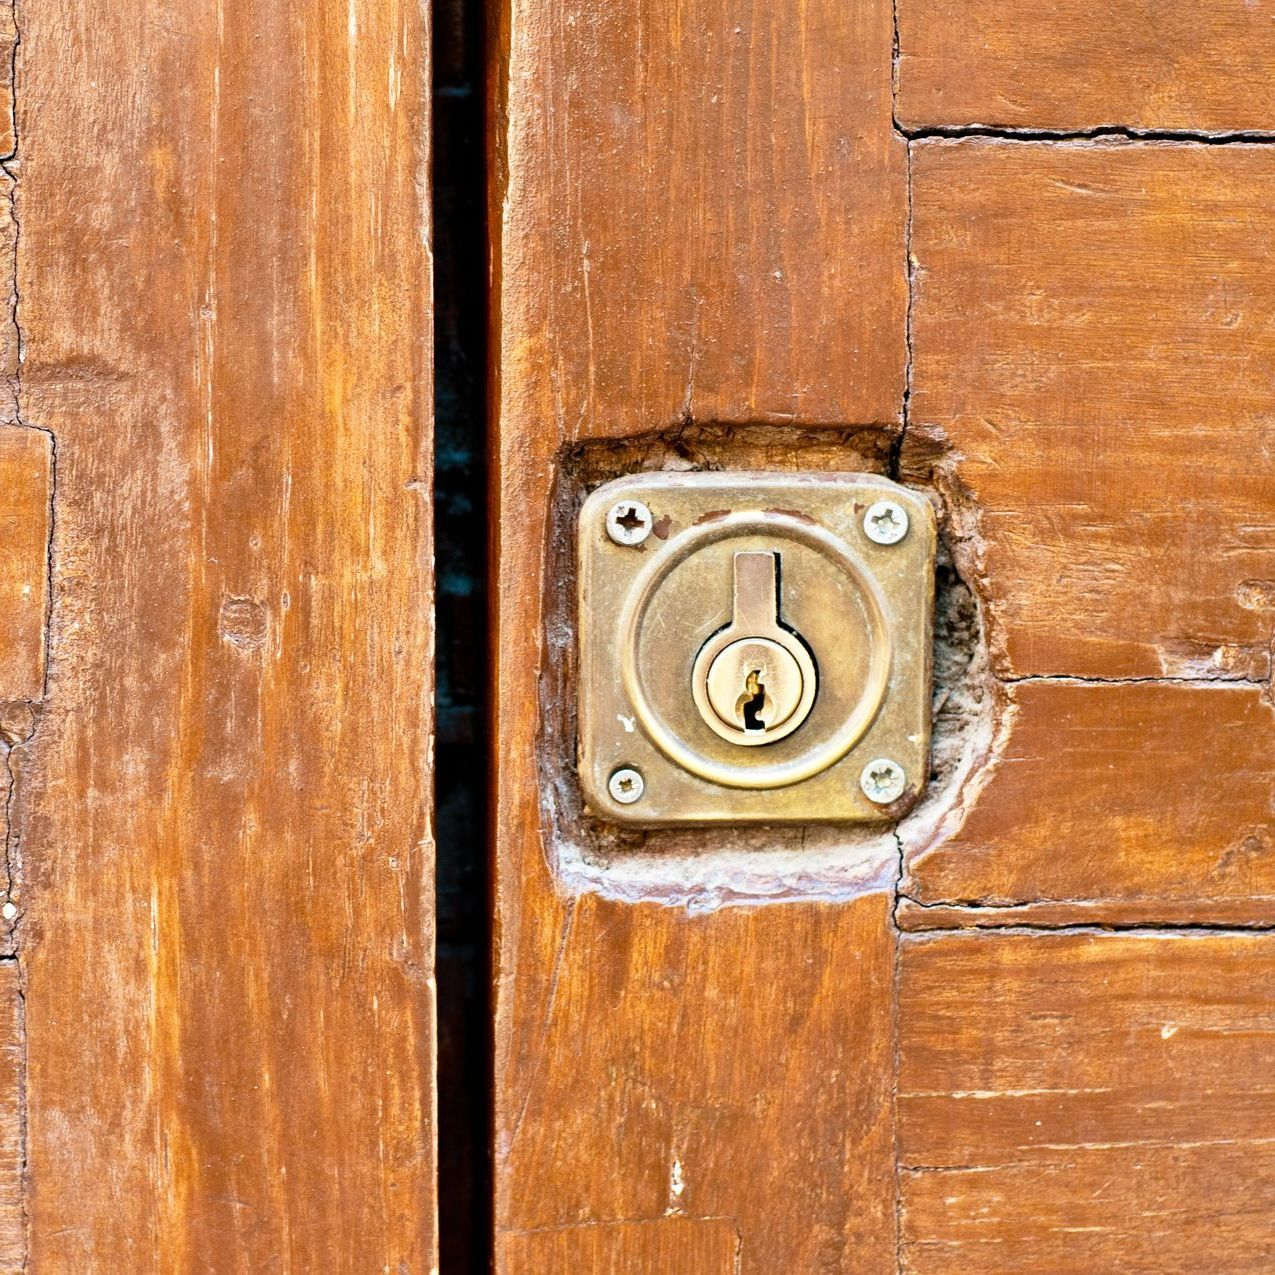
{"x": 670, "y": 1245}
{"x": 8, "y": 48}
{"x": 26, "y": 456}
{"x": 723, "y": 1065}
{"x": 26, "y": 485}
{"x": 702, "y": 219}
{"x": 12, "y": 1216}
{"x": 223, "y": 814}
{"x": 700, "y": 216}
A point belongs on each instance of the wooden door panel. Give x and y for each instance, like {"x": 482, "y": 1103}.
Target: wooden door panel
{"x": 1045, "y": 64}
{"x": 670, "y": 1245}
{"x": 1087, "y": 1101}
{"x": 222, "y": 816}
{"x": 1136, "y": 802}
{"x": 1088, "y": 324}
{"x": 26, "y": 484}
{"x": 1084, "y": 387}
{"x": 701, "y": 216}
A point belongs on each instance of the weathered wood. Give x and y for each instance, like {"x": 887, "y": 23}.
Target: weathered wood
{"x": 670, "y": 1245}
{"x": 1061, "y": 64}
{"x": 703, "y": 217}
{"x": 711, "y": 1066}
{"x": 700, "y": 215}
{"x": 223, "y": 814}
{"x": 26, "y": 483}
{"x": 12, "y": 1215}
{"x": 1140, "y": 802}
{"x": 1088, "y": 335}
{"x": 8, "y": 47}
{"x": 1087, "y": 1102}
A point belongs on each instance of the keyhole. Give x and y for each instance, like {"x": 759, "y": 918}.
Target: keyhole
{"x": 753, "y": 701}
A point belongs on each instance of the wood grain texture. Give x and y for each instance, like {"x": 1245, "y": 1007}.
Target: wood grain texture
{"x": 8, "y": 48}
{"x": 1060, "y": 64}
{"x": 700, "y": 216}
{"x": 1087, "y": 1102}
{"x": 26, "y": 487}
{"x": 713, "y": 1066}
{"x": 12, "y": 1219}
{"x": 669, "y": 1245}
{"x": 1089, "y": 342}
{"x": 1137, "y": 802}
{"x": 223, "y": 814}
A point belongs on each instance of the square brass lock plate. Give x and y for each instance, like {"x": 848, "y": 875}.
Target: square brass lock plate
{"x": 754, "y": 648}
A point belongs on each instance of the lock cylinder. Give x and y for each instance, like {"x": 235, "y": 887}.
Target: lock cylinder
{"x": 754, "y": 682}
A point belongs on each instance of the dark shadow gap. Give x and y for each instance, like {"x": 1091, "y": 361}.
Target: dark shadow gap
{"x": 460, "y": 774}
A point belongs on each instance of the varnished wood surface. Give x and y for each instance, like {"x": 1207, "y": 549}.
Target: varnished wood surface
{"x": 1140, "y": 802}
{"x": 1090, "y": 392}
{"x": 223, "y": 819}
{"x": 701, "y": 210}
{"x": 691, "y": 1066}
{"x": 1089, "y": 338}
{"x": 1061, "y": 64}
{"x": 8, "y": 44}
{"x": 700, "y": 219}
{"x": 12, "y": 1203}
{"x": 671, "y": 1245}
{"x": 26, "y": 483}
{"x": 1087, "y": 1102}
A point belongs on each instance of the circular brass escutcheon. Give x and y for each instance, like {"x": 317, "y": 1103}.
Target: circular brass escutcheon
{"x": 831, "y": 587}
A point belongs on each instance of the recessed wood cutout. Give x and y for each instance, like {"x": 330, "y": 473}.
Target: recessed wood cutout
{"x": 706, "y": 866}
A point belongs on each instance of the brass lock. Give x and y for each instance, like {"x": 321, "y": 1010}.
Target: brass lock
{"x": 754, "y": 682}
{"x": 754, "y": 647}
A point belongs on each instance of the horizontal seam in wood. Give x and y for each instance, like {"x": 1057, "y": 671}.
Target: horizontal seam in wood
{"x": 1100, "y": 132}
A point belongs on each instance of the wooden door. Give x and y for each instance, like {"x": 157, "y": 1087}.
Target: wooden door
{"x": 1016, "y": 256}
{"x": 1022, "y": 258}
{"x": 216, "y": 1033}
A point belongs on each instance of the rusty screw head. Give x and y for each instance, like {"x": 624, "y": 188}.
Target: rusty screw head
{"x": 629, "y": 522}
{"x": 882, "y": 781}
{"x": 626, "y": 785}
{"x": 886, "y": 522}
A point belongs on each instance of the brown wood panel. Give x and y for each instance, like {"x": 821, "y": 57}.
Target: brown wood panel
{"x": 12, "y": 1211}
{"x": 1087, "y": 1102}
{"x": 26, "y": 483}
{"x": 720, "y": 1065}
{"x": 703, "y": 216}
{"x": 1089, "y": 342}
{"x": 700, "y": 213}
{"x": 1139, "y": 802}
{"x": 669, "y": 1245}
{"x": 223, "y": 813}
{"x": 1069, "y": 913}
{"x": 8, "y": 47}
{"x": 1062, "y": 64}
